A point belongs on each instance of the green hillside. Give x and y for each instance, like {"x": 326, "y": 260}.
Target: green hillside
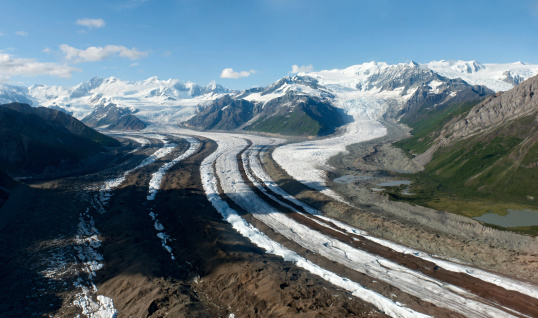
{"x": 292, "y": 124}
{"x": 491, "y": 171}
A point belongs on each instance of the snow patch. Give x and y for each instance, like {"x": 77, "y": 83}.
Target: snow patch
{"x": 155, "y": 185}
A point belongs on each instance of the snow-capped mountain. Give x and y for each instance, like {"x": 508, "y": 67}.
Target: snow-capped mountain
{"x": 308, "y": 103}
{"x": 498, "y": 77}
{"x": 152, "y": 97}
{"x": 371, "y": 89}
{"x": 10, "y": 94}
{"x": 366, "y": 91}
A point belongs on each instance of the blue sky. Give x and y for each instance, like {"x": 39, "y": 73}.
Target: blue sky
{"x": 62, "y": 42}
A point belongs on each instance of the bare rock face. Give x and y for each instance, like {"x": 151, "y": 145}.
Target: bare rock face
{"x": 518, "y": 102}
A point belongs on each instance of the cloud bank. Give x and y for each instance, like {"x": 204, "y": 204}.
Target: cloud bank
{"x": 12, "y": 66}
{"x": 96, "y": 54}
{"x": 92, "y": 23}
{"x": 230, "y": 73}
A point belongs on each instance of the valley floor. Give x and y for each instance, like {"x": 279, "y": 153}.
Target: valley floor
{"x": 190, "y": 224}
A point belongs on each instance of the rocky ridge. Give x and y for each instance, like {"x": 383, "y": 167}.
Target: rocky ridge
{"x": 114, "y": 118}
{"x": 497, "y": 110}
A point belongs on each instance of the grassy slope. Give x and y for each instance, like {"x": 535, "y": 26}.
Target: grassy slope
{"x": 426, "y": 123}
{"x": 491, "y": 172}
{"x": 292, "y": 124}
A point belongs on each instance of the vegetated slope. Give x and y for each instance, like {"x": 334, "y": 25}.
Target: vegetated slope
{"x": 298, "y": 115}
{"x": 426, "y": 111}
{"x": 113, "y": 117}
{"x": 486, "y": 152}
{"x": 38, "y": 140}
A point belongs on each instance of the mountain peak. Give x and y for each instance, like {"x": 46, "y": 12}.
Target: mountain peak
{"x": 153, "y": 79}
{"x": 212, "y": 85}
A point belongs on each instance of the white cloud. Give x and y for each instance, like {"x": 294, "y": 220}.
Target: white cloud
{"x": 21, "y": 33}
{"x": 230, "y": 73}
{"x": 131, "y": 4}
{"x": 302, "y": 68}
{"x": 134, "y": 64}
{"x": 12, "y": 66}
{"x": 47, "y": 50}
{"x": 91, "y": 23}
{"x": 1, "y": 34}
{"x": 95, "y": 54}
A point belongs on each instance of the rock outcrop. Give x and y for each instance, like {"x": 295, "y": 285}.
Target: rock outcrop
{"x": 114, "y": 118}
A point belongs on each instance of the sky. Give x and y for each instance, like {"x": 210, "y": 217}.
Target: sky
{"x": 243, "y": 44}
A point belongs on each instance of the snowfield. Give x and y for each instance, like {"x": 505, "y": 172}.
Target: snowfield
{"x": 498, "y": 77}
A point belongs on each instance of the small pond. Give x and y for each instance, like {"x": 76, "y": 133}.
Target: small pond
{"x": 514, "y": 218}
{"x": 393, "y": 183}
{"x": 401, "y": 171}
{"x": 350, "y": 178}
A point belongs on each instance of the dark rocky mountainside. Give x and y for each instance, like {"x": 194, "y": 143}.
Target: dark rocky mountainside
{"x": 6, "y": 187}
{"x": 225, "y": 113}
{"x": 42, "y": 141}
{"x": 114, "y": 118}
{"x": 61, "y": 119}
{"x": 449, "y": 92}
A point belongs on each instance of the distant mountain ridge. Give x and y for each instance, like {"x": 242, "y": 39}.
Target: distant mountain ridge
{"x": 498, "y": 77}
{"x": 152, "y": 93}
{"x": 316, "y": 103}
{"x": 367, "y": 91}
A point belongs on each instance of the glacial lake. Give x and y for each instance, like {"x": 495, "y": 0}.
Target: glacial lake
{"x": 350, "y": 178}
{"x": 514, "y": 218}
{"x": 393, "y": 183}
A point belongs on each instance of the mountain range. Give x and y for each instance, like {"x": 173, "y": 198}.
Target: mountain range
{"x": 313, "y": 103}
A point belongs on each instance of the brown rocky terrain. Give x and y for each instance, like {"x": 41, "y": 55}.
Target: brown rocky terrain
{"x": 216, "y": 271}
